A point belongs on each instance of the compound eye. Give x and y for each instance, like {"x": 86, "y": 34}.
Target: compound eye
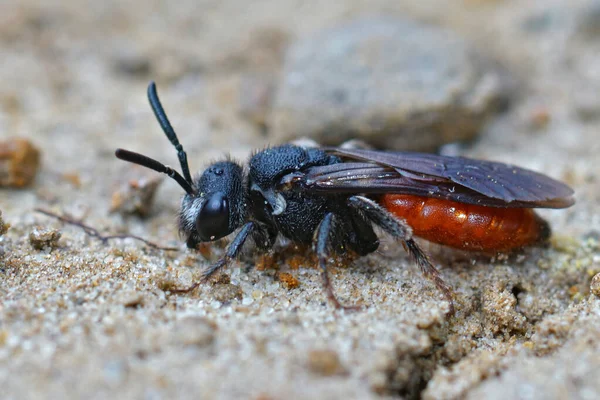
{"x": 212, "y": 222}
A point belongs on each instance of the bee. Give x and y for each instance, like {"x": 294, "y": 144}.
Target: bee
{"x": 332, "y": 198}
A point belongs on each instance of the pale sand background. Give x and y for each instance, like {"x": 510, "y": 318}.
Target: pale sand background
{"x": 90, "y": 321}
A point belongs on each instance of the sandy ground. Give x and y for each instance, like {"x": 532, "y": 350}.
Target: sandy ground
{"x": 84, "y": 319}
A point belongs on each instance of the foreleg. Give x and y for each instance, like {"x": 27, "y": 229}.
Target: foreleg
{"x": 231, "y": 253}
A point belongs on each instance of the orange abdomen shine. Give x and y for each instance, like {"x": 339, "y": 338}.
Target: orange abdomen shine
{"x": 468, "y": 226}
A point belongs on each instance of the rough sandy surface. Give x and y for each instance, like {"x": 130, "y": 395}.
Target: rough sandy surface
{"x": 80, "y": 318}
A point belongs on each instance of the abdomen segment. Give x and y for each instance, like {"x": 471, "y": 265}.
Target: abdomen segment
{"x": 468, "y": 226}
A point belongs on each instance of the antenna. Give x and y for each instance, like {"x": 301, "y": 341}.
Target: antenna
{"x": 157, "y": 166}
{"x": 161, "y": 116}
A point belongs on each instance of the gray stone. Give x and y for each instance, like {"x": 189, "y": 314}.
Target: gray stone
{"x": 394, "y": 83}
{"x": 588, "y": 21}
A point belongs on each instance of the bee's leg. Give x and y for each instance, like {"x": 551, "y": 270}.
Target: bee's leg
{"x": 400, "y": 230}
{"x": 233, "y": 250}
{"x": 322, "y": 244}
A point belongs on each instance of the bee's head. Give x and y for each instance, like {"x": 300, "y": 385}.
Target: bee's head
{"x": 217, "y": 206}
{"x": 213, "y": 205}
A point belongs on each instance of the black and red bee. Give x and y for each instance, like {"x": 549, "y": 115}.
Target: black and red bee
{"x": 332, "y": 198}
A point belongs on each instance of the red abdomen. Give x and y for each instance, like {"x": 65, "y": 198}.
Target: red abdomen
{"x": 468, "y": 226}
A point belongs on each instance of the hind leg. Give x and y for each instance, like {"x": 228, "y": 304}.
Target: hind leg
{"x": 401, "y": 231}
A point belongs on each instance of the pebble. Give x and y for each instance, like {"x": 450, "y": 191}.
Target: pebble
{"x": 19, "y": 162}
{"x": 133, "y": 300}
{"x": 325, "y": 363}
{"x": 42, "y": 238}
{"x": 135, "y": 191}
{"x": 288, "y": 280}
{"x": 227, "y": 292}
{"x": 391, "y": 82}
{"x": 595, "y": 285}
{"x": 3, "y": 226}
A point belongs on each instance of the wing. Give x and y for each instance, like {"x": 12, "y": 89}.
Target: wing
{"x": 454, "y": 178}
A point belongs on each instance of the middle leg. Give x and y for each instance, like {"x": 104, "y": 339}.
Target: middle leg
{"x": 322, "y": 243}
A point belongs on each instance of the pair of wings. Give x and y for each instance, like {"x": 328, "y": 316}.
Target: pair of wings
{"x": 458, "y": 179}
